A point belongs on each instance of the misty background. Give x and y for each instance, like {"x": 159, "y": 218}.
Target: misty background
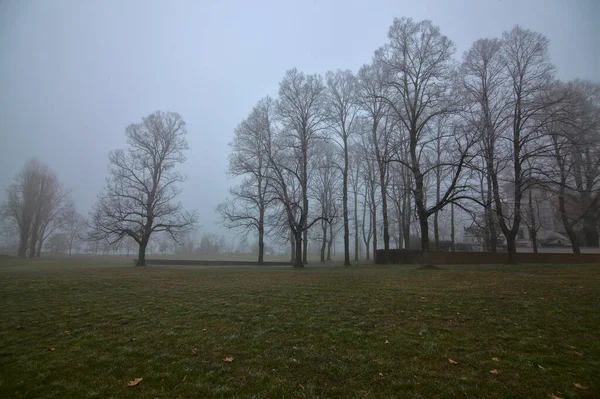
{"x": 75, "y": 74}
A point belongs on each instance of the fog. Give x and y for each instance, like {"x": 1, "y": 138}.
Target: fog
{"x": 75, "y": 74}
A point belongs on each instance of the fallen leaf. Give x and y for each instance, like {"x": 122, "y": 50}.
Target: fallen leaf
{"x": 68, "y": 332}
{"x": 381, "y": 374}
{"x": 553, "y": 396}
{"x": 494, "y": 371}
{"x": 184, "y": 378}
{"x": 386, "y": 342}
{"x": 579, "y": 386}
{"x": 495, "y": 359}
{"x": 300, "y": 386}
{"x": 194, "y": 351}
{"x": 540, "y": 366}
{"x": 452, "y": 361}
{"x": 51, "y": 349}
{"x": 228, "y": 359}
{"x": 578, "y": 353}
{"x": 134, "y": 382}
{"x": 573, "y": 347}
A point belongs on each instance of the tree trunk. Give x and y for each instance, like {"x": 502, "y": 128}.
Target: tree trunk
{"x": 452, "y": 227}
{"x": 330, "y": 242}
{"x": 305, "y": 245}
{"x": 438, "y": 183}
{"x": 534, "y": 243}
{"x": 141, "y": 261}
{"x": 511, "y": 246}
{"x": 345, "y": 207}
{"x": 33, "y": 243}
{"x": 366, "y": 237}
{"x": 38, "y": 252}
{"x": 298, "y": 239}
{"x": 261, "y": 246}
{"x": 293, "y": 247}
{"x": 406, "y": 219}
{"x": 324, "y": 241}
{"x": 400, "y": 226}
{"x": 386, "y": 227}
{"x": 425, "y": 261}
{"x": 23, "y": 239}
{"x": 567, "y": 224}
{"x": 356, "y": 240}
{"x": 436, "y": 232}
{"x": 374, "y": 222}
{"x": 493, "y": 234}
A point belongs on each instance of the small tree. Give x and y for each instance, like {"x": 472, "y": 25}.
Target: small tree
{"x": 139, "y": 195}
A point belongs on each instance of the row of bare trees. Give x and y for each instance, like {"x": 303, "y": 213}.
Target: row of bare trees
{"x": 413, "y": 133}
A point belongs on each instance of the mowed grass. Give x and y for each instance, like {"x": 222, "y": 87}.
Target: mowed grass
{"x": 327, "y": 332}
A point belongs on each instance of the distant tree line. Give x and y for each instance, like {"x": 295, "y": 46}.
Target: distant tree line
{"x": 415, "y": 138}
{"x": 138, "y": 201}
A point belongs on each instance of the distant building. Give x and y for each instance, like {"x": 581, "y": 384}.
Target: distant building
{"x": 539, "y": 211}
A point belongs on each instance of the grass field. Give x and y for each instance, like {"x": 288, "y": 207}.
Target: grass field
{"x": 86, "y": 327}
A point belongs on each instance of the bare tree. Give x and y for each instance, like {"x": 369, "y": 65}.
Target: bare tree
{"x": 483, "y": 80}
{"x": 36, "y": 202}
{"x": 302, "y": 110}
{"x": 342, "y": 95}
{"x": 325, "y": 190}
{"x": 356, "y": 183}
{"x": 419, "y": 59}
{"x": 575, "y": 171}
{"x": 530, "y": 73}
{"x": 138, "y": 199}
{"x": 374, "y": 93}
{"x": 249, "y": 201}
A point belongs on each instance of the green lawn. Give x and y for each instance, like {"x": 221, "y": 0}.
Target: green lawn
{"x": 360, "y": 332}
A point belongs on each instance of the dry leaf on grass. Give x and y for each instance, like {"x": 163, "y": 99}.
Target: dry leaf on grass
{"x": 553, "y": 396}
{"x": 578, "y": 353}
{"x": 386, "y": 342}
{"x": 228, "y": 359}
{"x": 540, "y": 366}
{"x": 494, "y": 371}
{"x": 452, "y": 361}
{"x": 134, "y": 382}
{"x": 381, "y": 374}
{"x": 579, "y": 386}
{"x": 51, "y": 349}
{"x": 573, "y": 347}
{"x": 495, "y": 359}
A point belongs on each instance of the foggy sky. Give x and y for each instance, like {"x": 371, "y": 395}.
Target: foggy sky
{"x": 74, "y": 74}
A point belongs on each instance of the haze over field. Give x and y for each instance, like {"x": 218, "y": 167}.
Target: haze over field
{"x": 75, "y": 74}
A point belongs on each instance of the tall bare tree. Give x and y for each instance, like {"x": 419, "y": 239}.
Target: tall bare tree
{"x": 530, "y": 74}
{"x": 483, "y": 79}
{"x": 574, "y": 173}
{"x": 248, "y": 204}
{"x": 302, "y": 110}
{"x": 139, "y": 196}
{"x": 374, "y": 92}
{"x": 419, "y": 60}
{"x": 325, "y": 189}
{"x": 342, "y": 98}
